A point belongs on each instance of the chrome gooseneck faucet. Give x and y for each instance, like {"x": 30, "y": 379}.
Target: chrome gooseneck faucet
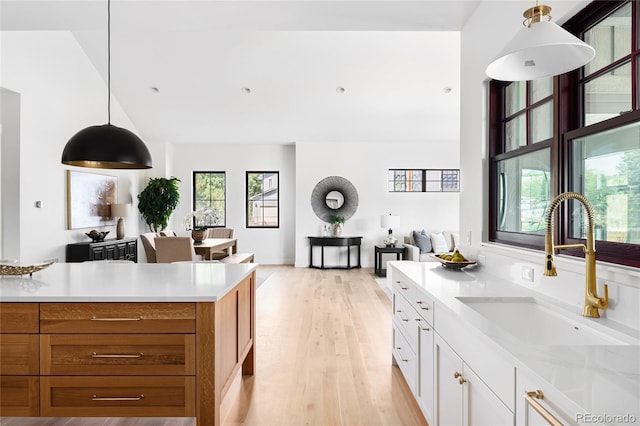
{"x": 591, "y": 300}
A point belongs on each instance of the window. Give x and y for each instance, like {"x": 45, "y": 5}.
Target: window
{"x": 209, "y": 193}
{"x": 424, "y": 180}
{"x": 263, "y": 201}
{"x": 607, "y": 171}
{"x": 577, "y": 132}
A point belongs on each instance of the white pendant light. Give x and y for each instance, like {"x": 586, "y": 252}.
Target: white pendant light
{"x": 540, "y": 49}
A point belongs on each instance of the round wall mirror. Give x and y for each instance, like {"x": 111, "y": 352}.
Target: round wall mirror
{"x": 334, "y": 195}
{"x": 334, "y": 200}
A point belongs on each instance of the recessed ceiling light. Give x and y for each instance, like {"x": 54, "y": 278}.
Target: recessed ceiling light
{"x": 245, "y": 89}
{"x": 340, "y": 89}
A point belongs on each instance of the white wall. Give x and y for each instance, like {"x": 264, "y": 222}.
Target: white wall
{"x": 366, "y": 165}
{"x": 9, "y": 174}
{"x": 479, "y": 44}
{"x": 270, "y": 246}
{"x": 60, "y": 92}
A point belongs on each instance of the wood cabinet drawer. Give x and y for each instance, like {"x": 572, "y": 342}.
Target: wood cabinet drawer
{"x": 117, "y": 318}
{"x": 19, "y": 354}
{"x": 19, "y": 395}
{"x": 117, "y": 354}
{"x": 19, "y": 318}
{"x": 117, "y": 396}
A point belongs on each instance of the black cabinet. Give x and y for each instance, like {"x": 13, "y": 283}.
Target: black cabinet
{"x": 400, "y": 252}
{"x": 124, "y": 249}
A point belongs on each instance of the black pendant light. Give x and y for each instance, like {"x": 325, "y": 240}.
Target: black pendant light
{"x": 107, "y": 146}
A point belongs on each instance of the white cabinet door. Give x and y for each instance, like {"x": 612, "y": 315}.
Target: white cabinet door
{"x": 449, "y": 391}
{"x": 426, "y": 376}
{"x": 481, "y": 406}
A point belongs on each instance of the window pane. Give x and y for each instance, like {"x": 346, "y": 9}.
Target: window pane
{"x": 542, "y": 122}
{"x": 262, "y": 199}
{"x": 515, "y": 133}
{"x": 516, "y": 97}
{"x": 540, "y": 89}
{"x": 611, "y": 39}
{"x": 405, "y": 181}
{"x": 607, "y": 171}
{"x": 209, "y": 194}
{"x": 524, "y": 192}
{"x": 608, "y": 95}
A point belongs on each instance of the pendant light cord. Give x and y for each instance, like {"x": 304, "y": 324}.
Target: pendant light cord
{"x": 109, "y": 61}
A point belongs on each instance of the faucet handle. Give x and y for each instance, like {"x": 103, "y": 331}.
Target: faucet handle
{"x": 605, "y": 300}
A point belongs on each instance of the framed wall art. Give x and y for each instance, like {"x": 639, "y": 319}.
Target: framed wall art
{"x": 89, "y": 196}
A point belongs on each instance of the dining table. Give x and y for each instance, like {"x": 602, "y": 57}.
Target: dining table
{"x": 209, "y": 246}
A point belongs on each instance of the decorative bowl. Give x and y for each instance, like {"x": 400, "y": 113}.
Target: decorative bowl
{"x": 454, "y": 265}
{"x": 13, "y": 269}
{"x": 96, "y": 236}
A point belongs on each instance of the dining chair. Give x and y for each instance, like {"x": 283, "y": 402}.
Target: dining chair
{"x": 219, "y": 233}
{"x": 175, "y": 249}
{"x": 148, "y": 242}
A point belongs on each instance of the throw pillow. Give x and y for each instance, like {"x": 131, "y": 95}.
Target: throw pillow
{"x": 422, "y": 241}
{"x": 439, "y": 243}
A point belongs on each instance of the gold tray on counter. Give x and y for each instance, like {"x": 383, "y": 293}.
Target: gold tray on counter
{"x": 13, "y": 269}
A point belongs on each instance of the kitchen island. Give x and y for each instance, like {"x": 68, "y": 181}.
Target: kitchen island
{"x": 102, "y": 339}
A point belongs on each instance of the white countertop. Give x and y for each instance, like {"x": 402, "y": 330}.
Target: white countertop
{"x": 594, "y": 379}
{"x": 125, "y": 282}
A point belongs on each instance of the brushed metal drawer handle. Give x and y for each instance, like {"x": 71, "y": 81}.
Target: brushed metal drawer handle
{"x": 117, "y": 398}
{"x": 402, "y": 316}
{"x": 96, "y": 355}
{"x": 117, "y": 319}
{"x": 425, "y": 307}
{"x": 402, "y": 357}
{"x": 531, "y": 398}
{"x": 401, "y": 286}
{"x": 422, "y": 327}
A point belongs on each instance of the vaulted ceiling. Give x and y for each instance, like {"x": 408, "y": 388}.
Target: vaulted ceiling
{"x": 271, "y": 71}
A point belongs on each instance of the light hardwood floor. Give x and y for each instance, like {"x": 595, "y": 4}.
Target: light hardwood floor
{"x": 323, "y": 354}
{"x": 323, "y": 350}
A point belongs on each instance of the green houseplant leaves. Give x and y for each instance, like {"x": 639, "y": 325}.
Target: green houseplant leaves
{"x": 157, "y": 201}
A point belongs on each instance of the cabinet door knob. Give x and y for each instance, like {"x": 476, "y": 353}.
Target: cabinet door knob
{"x": 458, "y": 375}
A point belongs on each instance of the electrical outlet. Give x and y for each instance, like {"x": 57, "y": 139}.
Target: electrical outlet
{"x": 527, "y": 273}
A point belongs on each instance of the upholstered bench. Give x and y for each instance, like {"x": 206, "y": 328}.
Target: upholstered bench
{"x": 238, "y": 258}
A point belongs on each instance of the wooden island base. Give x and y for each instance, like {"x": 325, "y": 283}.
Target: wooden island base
{"x": 119, "y": 359}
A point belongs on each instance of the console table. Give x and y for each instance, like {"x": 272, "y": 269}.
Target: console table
{"x": 334, "y": 242}
{"x": 112, "y": 249}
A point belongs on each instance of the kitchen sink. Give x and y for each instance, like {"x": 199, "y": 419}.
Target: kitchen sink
{"x": 532, "y": 321}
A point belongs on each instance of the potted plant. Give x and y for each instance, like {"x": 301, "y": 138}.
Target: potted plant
{"x": 336, "y": 220}
{"x": 197, "y": 222}
{"x": 157, "y": 201}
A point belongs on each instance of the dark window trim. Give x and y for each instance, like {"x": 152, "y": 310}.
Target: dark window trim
{"x": 193, "y": 194}
{"x": 568, "y": 98}
{"x": 246, "y": 206}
